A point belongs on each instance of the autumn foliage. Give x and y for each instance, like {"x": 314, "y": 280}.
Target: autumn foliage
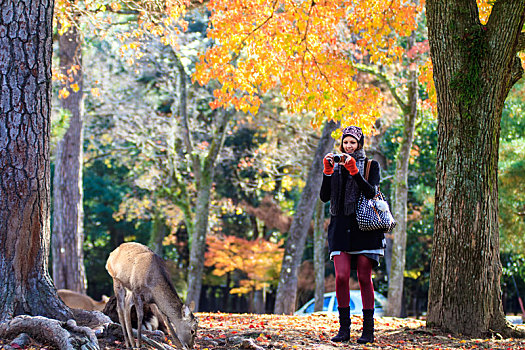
{"x": 259, "y": 260}
{"x": 307, "y": 49}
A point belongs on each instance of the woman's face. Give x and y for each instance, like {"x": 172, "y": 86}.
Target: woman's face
{"x": 350, "y": 144}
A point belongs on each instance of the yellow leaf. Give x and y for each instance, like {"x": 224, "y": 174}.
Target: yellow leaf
{"x": 63, "y": 93}
{"x": 115, "y": 6}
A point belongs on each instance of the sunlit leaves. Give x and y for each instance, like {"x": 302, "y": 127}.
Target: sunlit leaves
{"x": 146, "y": 207}
{"x": 485, "y": 8}
{"x": 314, "y": 332}
{"x": 304, "y": 48}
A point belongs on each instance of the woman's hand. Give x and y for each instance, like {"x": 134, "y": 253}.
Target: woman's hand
{"x": 328, "y": 163}
{"x": 350, "y": 165}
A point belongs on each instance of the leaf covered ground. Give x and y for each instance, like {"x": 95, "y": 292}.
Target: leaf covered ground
{"x": 218, "y": 331}
{"x": 221, "y": 331}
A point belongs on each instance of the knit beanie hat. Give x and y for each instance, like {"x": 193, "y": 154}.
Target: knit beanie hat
{"x": 355, "y": 132}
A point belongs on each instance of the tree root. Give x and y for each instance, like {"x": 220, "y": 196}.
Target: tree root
{"x": 510, "y": 331}
{"x": 80, "y": 333}
{"x": 62, "y": 335}
{"x": 113, "y": 331}
{"x": 153, "y": 342}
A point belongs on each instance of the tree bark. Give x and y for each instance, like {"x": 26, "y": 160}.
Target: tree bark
{"x": 25, "y": 77}
{"x": 159, "y": 231}
{"x": 293, "y": 251}
{"x": 474, "y": 68}
{"x": 319, "y": 255}
{"x": 203, "y": 170}
{"x": 400, "y": 184}
{"x": 68, "y": 234}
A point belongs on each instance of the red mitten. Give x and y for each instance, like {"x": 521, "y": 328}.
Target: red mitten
{"x": 350, "y": 166}
{"x": 328, "y": 166}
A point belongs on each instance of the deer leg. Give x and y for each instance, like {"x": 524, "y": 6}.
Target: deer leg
{"x": 120, "y": 295}
{"x": 127, "y": 316}
{"x": 139, "y": 307}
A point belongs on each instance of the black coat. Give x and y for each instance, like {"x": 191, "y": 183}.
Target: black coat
{"x": 343, "y": 232}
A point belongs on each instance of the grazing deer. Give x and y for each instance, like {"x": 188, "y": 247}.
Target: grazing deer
{"x": 77, "y": 300}
{"x": 150, "y": 322}
{"x": 140, "y": 276}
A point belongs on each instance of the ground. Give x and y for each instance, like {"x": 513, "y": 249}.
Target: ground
{"x": 220, "y": 331}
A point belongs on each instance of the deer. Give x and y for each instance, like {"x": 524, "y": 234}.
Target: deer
{"x": 140, "y": 277}
{"x": 151, "y": 321}
{"x": 77, "y": 300}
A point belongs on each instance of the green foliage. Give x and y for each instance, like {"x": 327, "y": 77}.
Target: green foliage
{"x": 512, "y": 196}
{"x": 242, "y": 142}
{"x": 420, "y": 214}
{"x": 511, "y": 175}
{"x": 104, "y": 190}
{"x": 513, "y": 279}
{"x": 512, "y": 121}
{"x": 59, "y": 126}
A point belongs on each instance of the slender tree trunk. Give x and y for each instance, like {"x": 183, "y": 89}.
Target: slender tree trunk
{"x": 198, "y": 242}
{"x": 474, "y": 68}
{"x": 68, "y": 232}
{"x": 259, "y": 301}
{"x": 203, "y": 170}
{"x": 25, "y": 76}
{"x": 158, "y": 232}
{"x": 398, "y": 244}
{"x": 293, "y": 251}
{"x": 202, "y": 209}
{"x": 319, "y": 255}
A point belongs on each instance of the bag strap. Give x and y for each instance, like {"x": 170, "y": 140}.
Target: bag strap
{"x": 367, "y": 171}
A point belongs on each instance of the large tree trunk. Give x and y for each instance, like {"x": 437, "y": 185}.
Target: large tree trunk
{"x": 293, "y": 251}
{"x": 474, "y": 68}
{"x": 25, "y": 76}
{"x": 400, "y": 184}
{"x": 68, "y": 234}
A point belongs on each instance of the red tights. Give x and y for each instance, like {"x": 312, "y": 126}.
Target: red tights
{"x": 342, "y": 279}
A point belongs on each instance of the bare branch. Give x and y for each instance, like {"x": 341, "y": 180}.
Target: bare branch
{"x": 384, "y": 79}
{"x": 218, "y": 137}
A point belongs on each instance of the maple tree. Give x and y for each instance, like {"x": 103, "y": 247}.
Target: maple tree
{"x": 304, "y": 48}
{"x": 259, "y": 260}
{"x": 308, "y": 51}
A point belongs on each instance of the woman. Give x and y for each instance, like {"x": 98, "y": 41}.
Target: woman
{"x": 351, "y": 248}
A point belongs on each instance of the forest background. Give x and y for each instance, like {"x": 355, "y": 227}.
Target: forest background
{"x": 156, "y": 120}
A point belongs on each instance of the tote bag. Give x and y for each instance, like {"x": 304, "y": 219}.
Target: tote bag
{"x": 374, "y": 214}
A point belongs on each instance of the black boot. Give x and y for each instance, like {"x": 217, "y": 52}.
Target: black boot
{"x": 344, "y": 325}
{"x": 368, "y": 327}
